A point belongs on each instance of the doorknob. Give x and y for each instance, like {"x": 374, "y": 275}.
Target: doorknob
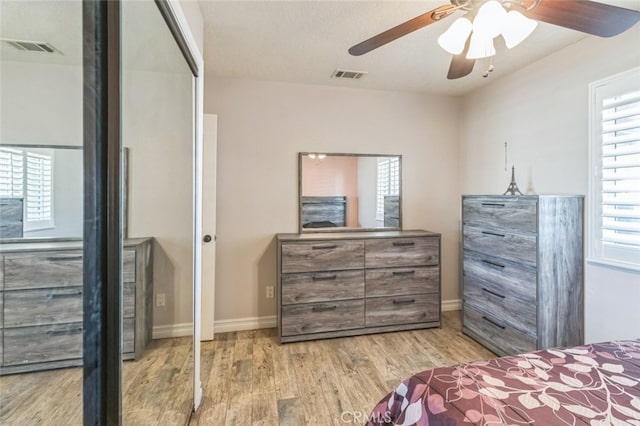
{"x": 207, "y": 238}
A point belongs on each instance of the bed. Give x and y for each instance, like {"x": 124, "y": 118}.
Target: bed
{"x": 595, "y": 384}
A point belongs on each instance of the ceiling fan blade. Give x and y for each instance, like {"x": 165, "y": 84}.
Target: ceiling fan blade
{"x": 461, "y": 66}
{"x": 586, "y": 16}
{"x": 403, "y": 29}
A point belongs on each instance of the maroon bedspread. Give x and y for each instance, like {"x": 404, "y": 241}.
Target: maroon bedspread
{"x": 595, "y": 385}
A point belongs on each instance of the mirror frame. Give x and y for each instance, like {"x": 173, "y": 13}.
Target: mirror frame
{"x": 302, "y": 230}
{"x": 124, "y": 201}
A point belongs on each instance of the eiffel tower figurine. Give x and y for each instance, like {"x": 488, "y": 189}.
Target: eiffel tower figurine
{"x": 513, "y": 186}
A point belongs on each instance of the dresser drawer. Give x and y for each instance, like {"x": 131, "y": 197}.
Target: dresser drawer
{"x": 51, "y": 269}
{"x": 513, "y": 279}
{"x": 322, "y": 286}
{"x": 128, "y": 300}
{"x": 402, "y": 281}
{"x": 502, "y": 244}
{"x": 399, "y": 252}
{"x": 26, "y": 345}
{"x": 128, "y": 335}
{"x": 43, "y": 306}
{"x": 501, "y": 213}
{"x": 505, "y": 306}
{"x": 311, "y": 256}
{"x": 495, "y": 334}
{"x": 322, "y": 317}
{"x": 128, "y": 266}
{"x": 382, "y": 311}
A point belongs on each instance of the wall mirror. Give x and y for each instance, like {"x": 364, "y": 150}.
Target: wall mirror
{"x": 347, "y": 192}
{"x": 41, "y": 192}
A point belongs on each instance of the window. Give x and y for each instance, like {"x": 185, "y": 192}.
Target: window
{"x": 388, "y": 182}
{"x": 614, "y": 188}
{"x": 27, "y": 174}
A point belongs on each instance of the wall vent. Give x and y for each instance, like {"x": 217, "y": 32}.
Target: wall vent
{"x": 32, "y": 46}
{"x": 348, "y": 74}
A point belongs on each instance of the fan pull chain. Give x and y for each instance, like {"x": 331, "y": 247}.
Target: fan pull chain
{"x": 489, "y": 69}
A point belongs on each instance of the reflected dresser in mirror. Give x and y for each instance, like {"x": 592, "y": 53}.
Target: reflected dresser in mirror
{"x": 41, "y": 303}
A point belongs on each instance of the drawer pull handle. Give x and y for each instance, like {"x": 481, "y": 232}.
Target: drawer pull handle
{"x": 493, "y": 293}
{"x": 325, "y": 247}
{"x": 325, "y": 278}
{"x": 64, "y": 332}
{"x": 493, "y": 204}
{"x": 63, "y": 259}
{"x": 493, "y": 233}
{"x": 403, "y": 301}
{"x": 404, "y": 272}
{"x": 324, "y": 308}
{"x": 497, "y": 265}
{"x": 493, "y": 323}
{"x": 64, "y": 295}
{"x": 404, "y": 243}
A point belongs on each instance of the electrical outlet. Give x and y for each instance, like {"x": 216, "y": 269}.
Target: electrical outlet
{"x": 270, "y": 292}
{"x": 160, "y": 299}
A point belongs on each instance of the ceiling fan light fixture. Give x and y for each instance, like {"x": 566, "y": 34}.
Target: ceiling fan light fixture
{"x": 517, "y": 28}
{"x": 454, "y": 39}
{"x": 480, "y": 46}
{"x": 490, "y": 19}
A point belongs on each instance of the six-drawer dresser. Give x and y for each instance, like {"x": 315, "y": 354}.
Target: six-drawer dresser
{"x": 351, "y": 283}
{"x": 523, "y": 271}
{"x": 41, "y": 303}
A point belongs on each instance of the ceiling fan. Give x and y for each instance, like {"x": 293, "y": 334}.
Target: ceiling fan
{"x": 471, "y": 36}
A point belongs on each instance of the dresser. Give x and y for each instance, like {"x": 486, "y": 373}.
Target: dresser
{"x": 41, "y": 303}
{"x": 523, "y": 271}
{"x": 11, "y": 212}
{"x": 352, "y": 283}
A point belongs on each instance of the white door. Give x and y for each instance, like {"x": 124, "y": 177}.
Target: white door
{"x": 209, "y": 157}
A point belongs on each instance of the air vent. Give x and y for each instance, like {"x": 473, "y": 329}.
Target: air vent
{"x": 348, "y": 74}
{"x": 32, "y": 46}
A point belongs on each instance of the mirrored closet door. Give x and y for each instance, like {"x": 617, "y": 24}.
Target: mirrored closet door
{"x": 157, "y": 113}
{"x": 41, "y": 212}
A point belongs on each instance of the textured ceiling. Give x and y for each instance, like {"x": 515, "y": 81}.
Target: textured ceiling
{"x": 305, "y": 41}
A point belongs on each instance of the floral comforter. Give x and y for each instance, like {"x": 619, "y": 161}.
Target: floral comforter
{"x": 595, "y": 385}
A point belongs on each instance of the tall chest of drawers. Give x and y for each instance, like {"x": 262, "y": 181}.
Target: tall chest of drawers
{"x": 41, "y": 304}
{"x": 346, "y": 284}
{"x": 523, "y": 271}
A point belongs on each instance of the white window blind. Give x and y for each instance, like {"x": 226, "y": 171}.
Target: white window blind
{"x": 615, "y": 158}
{"x": 11, "y": 173}
{"x": 27, "y": 174}
{"x": 388, "y": 183}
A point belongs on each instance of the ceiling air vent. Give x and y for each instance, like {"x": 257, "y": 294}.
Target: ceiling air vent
{"x": 348, "y": 74}
{"x": 32, "y": 46}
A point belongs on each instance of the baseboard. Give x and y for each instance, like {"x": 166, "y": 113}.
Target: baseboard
{"x": 241, "y": 324}
{"x": 253, "y": 323}
{"x": 173, "y": 330}
{"x": 451, "y": 305}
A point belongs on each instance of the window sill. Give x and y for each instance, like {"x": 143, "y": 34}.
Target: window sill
{"x": 620, "y": 266}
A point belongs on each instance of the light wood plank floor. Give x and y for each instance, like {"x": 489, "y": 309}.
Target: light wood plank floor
{"x": 156, "y": 389}
{"x": 249, "y": 379}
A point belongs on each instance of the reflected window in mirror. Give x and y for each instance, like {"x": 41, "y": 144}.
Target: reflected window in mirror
{"x": 346, "y": 192}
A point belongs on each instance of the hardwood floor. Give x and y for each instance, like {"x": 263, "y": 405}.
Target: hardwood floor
{"x": 156, "y": 389}
{"x": 249, "y": 379}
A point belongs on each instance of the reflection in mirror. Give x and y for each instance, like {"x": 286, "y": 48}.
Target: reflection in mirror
{"x": 41, "y": 304}
{"x": 41, "y": 192}
{"x": 157, "y": 126}
{"x": 346, "y": 192}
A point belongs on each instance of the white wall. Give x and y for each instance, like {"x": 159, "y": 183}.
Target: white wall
{"x": 157, "y": 129}
{"x": 41, "y": 104}
{"x": 541, "y": 111}
{"x": 261, "y": 128}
